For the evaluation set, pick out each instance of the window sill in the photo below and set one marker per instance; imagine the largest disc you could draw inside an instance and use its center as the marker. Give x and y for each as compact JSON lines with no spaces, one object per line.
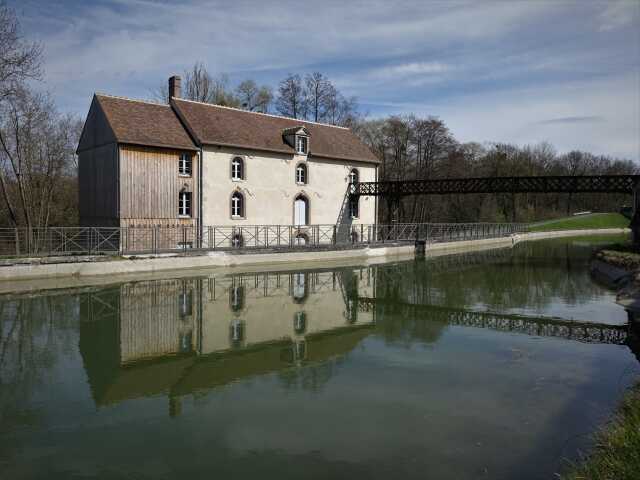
{"x":184,"y":216}
{"x":237,"y":179}
{"x":184,"y":175}
{"x":302,"y":184}
{"x":237,"y":218}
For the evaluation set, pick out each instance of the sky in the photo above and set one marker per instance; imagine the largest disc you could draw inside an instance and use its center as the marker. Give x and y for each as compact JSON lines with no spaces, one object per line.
{"x":562,"y":71}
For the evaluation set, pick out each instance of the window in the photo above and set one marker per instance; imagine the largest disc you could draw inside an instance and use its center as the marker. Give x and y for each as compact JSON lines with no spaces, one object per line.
{"x":301,"y":144}
{"x":236,"y":332}
{"x":184,"y":165}
{"x":237,"y":205}
{"x":354,"y":176}
{"x":301,"y":174}
{"x":300,"y":322}
{"x":185,"y":302}
{"x":184,"y":204}
{"x":236,"y":297}
{"x":237,"y":241}
{"x":301,"y":239}
{"x":237,"y":169}
{"x":300,"y":289}
{"x":354,"y":207}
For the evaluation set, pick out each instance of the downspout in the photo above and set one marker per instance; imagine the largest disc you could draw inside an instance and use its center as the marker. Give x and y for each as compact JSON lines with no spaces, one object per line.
{"x":200,"y":203}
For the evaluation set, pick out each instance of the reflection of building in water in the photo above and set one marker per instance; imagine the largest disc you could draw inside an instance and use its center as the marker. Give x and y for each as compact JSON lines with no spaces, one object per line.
{"x":157,"y":318}
{"x":179,"y":336}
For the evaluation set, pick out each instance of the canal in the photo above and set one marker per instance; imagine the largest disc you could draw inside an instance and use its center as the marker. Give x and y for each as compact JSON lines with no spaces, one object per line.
{"x":455,"y":367}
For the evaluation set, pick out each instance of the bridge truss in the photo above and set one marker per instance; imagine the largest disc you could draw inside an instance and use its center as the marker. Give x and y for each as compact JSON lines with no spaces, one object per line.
{"x":585,"y":332}
{"x":539,"y":184}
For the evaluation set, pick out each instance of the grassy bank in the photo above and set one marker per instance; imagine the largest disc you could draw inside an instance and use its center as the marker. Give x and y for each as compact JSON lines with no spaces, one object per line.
{"x":583,"y":222}
{"x":617,"y":452}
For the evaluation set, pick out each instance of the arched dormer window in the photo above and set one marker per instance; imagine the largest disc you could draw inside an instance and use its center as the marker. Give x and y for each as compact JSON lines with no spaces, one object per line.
{"x":302,"y":144}
{"x":237,"y":205}
{"x":301,"y":174}
{"x":237,"y":169}
{"x":354,"y":176}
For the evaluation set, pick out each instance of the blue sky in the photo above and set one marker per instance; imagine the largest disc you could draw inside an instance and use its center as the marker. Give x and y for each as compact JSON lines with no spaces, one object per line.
{"x":567,"y":72}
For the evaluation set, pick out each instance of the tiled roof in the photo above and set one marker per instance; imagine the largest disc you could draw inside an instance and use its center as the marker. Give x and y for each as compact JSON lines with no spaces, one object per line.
{"x":217,"y":125}
{"x":144,"y":123}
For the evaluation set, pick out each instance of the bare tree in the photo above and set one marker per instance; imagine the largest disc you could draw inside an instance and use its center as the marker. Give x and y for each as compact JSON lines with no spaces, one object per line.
{"x":36,"y":152}
{"x":339,"y":110}
{"x":254,"y":98}
{"x":291,"y":101}
{"x":199,"y":85}
{"x":19,"y":60}
{"x":317,"y":91}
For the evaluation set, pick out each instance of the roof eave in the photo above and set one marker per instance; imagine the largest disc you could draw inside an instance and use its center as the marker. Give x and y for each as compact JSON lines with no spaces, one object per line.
{"x":346,"y":159}
{"x":191,"y":148}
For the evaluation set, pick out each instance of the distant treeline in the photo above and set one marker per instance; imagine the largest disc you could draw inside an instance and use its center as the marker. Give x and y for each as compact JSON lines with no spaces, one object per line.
{"x":38,"y":165}
{"x":423,"y":148}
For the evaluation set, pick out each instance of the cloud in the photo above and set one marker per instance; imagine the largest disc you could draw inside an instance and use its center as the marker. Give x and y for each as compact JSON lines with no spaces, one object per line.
{"x":409,"y":69}
{"x":607,"y":124}
{"x":467,"y":61}
{"x":573,"y":120}
{"x":618,"y":14}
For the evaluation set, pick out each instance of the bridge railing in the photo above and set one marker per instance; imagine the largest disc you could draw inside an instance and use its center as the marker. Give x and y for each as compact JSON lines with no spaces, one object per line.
{"x":446,"y":232}
{"x":59,"y":241}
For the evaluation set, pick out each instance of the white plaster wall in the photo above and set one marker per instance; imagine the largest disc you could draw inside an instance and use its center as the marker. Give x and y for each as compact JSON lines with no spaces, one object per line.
{"x":269,"y":188}
{"x":269,"y":318}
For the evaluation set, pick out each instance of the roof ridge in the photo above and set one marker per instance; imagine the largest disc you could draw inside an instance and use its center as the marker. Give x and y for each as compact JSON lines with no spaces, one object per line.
{"x":260,"y":113}
{"x":119,"y":97}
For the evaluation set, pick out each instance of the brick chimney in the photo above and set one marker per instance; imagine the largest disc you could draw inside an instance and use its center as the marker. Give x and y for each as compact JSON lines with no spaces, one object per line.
{"x":174,"y":87}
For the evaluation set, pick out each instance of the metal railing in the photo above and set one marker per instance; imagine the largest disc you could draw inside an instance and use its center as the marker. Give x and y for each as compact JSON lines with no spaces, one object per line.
{"x":55,"y":241}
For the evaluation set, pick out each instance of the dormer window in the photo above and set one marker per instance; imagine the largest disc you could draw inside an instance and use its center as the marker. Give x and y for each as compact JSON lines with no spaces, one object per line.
{"x":302,"y":145}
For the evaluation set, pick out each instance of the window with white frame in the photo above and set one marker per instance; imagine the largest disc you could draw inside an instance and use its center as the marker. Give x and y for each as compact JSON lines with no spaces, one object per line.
{"x":301,"y":174}
{"x":237,"y":205}
{"x":185,"y":302}
{"x":184,"y":165}
{"x":237,"y":168}
{"x":184,"y":204}
{"x":302,"y":144}
{"x":354,"y":175}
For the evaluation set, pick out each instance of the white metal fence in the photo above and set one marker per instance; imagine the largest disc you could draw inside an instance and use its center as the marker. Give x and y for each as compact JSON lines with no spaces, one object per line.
{"x":53,"y":241}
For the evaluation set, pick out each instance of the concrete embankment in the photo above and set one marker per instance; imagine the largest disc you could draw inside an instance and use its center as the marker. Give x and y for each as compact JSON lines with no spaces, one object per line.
{"x":48,"y":273}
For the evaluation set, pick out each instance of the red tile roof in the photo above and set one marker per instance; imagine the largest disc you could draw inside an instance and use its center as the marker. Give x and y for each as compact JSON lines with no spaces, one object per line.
{"x":144,"y":123}
{"x":217,"y":125}
{"x":152,"y":124}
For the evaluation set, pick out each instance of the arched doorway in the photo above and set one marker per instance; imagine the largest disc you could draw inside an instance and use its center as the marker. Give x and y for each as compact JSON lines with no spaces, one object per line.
{"x":301,"y":211}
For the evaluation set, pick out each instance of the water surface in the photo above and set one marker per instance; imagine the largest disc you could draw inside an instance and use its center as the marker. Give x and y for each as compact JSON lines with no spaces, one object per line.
{"x":453,"y":367}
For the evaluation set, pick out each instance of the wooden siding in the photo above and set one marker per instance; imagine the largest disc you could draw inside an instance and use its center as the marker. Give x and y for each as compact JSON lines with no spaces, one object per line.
{"x":151,"y":322}
{"x":98,"y":186}
{"x":150,"y":185}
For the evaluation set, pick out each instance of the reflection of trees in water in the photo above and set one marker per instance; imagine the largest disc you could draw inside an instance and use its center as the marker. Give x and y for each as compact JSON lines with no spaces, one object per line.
{"x":532,"y":276}
{"x":35,"y":333}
